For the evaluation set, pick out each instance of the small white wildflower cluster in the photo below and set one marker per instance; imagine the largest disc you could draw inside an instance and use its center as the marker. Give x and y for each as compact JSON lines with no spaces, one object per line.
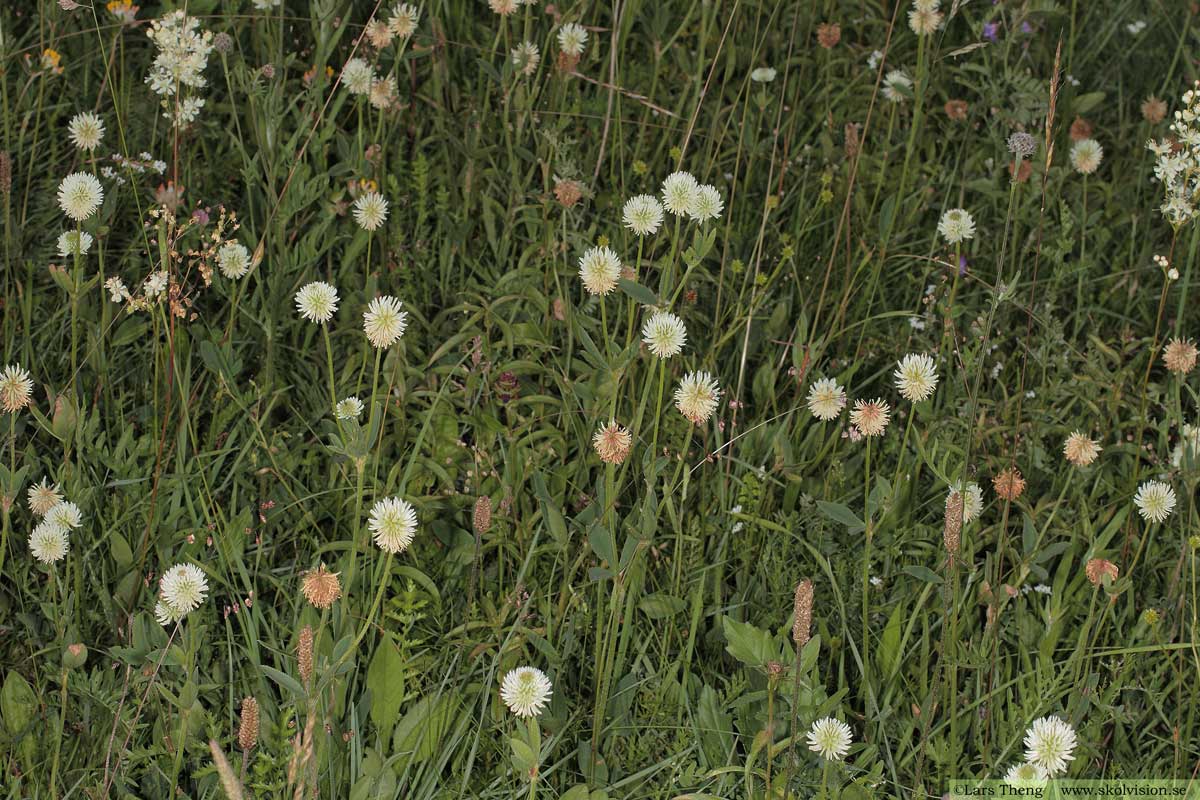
{"x":183,"y":51}
{"x":50,"y":540}
{"x":683,"y":195}
{"x":142,"y":164}
{"x":1177,"y":162}
{"x":181,"y":590}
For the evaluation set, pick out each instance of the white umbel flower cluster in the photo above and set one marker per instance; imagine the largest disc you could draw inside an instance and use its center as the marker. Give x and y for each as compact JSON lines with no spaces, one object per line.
{"x":183,"y":51}
{"x":1177,"y":161}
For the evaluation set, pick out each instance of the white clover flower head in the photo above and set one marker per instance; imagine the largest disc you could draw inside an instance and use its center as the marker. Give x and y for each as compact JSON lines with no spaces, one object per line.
{"x":383,"y":94}
{"x":182,"y":589}
{"x":165,"y":614}
{"x":1049,"y":742}
{"x":384,"y":322}
{"x":916,"y":377}
{"x":600,"y":269}
{"x":233,"y":259}
{"x":697,"y":396}
{"x":1086,"y":155}
{"x":826,"y":399}
{"x":65,"y":515}
{"x":956,"y":225}
{"x":503,"y":7}
{"x":706,"y":204}
{"x":317,"y":301}
{"x":43,"y":497}
{"x":679,"y":193}
{"x":370,"y":211}
{"x":664,"y":334}
{"x":642,"y":214}
{"x":830,"y":738}
{"x":404,"y":19}
{"x":349,"y":408}
{"x":526,"y":691}
{"x":924,"y":21}
{"x":1155,"y":501}
{"x":16,"y":388}
{"x":48,"y":543}
{"x":972,"y":500}
{"x":74,"y":243}
{"x":763,"y":75}
{"x":897,"y":86}
{"x":572,"y":38}
{"x":357,"y":76}
{"x":1025,"y":776}
{"x":525,"y":58}
{"x":393,"y":523}
{"x":86,"y":131}
{"x":79,"y":195}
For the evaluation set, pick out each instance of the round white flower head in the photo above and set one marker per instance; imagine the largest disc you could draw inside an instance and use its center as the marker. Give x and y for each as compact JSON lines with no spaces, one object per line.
{"x":525,"y":690}
{"x":870,"y":417}
{"x":72,"y":243}
{"x":642,"y":214}
{"x":826,"y":399}
{"x":165,"y":614}
{"x":86,"y":131}
{"x":370,"y":211}
{"x":15,"y":388}
{"x":233,"y":260}
{"x":1025,"y":776}
{"x":916,"y":377}
{"x":1080,"y":449}
{"x":503,"y":7}
{"x":924,"y":21}
{"x":393,"y":523}
{"x":972,"y":500}
{"x":79,"y":195}
{"x":1086,"y":155}
{"x":525,"y":57}
{"x":358,"y":76}
{"x":43,"y":497}
{"x":763,"y":75}
{"x":317,"y":301}
{"x":383,"y":93}
{"x":183,"y":588}
{"x":830,"y":738}
{"x":48,"y":542}
{"x":600,"y":269}
{"x":1049,"y":743}
{"x":697,"y":396}
{"x":679,"y":193}
{"x":664,"y":334}
{"x":65,"y":515}
{"x":384,"y":322}
{"x":956,"y":226}
{"x":1155,"y":500}
{"x":572,"y":38}
{"x":896,"y":86}
{"x":706,"y":204}
{"x":350,"y":408}
{"x":403,"y":20}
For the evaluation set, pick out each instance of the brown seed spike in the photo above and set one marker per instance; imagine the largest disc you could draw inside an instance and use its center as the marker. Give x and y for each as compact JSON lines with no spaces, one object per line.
{"x":305,"y":654}
{"x":952,"y":528}
{"x":482,"y":518}
{"x":248,"y":732}
{"x":802,"y":613}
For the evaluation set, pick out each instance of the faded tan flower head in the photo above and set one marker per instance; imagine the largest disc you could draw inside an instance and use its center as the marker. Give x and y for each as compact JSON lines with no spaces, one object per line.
{"x":1098,"y":569}
{"x":829,"y":34}
{"x":567,"y":193}
{"x":612,"y":443}
{"x":321,"y":587}
{"x":1009,"y":484}
{"x":1080,"y":450}
{"x":1154,"y":110}
{"x":1180,"y":355}
{"x":870,"y":416}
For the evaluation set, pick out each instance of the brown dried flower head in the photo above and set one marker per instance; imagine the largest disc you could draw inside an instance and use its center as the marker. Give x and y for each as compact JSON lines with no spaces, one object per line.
{"x":852,"y":139}
{"x":1080,"y":450}
{"x":567,"y":193}
{"x":802,"y":613}
{"x":248,"y":730}
{"x":321,"y":587}
{"x":612,"y":443}
{"x":1180,"y":356}
{"x":1009,"y":484}
{"x":304,"y":654}
{"x":1154,"y":110}
{"x":1080,"y":129}
{"x":952,"y":526}
{"x":1099,"y":569}
{"x":482,"y":518}
{"x":956,"y":110}
{"x":829,"y":34}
